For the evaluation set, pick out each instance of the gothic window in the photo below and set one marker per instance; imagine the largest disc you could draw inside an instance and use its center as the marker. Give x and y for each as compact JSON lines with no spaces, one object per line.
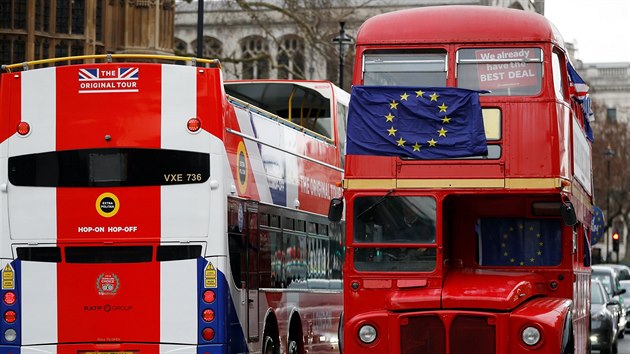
{"x":5,"y":50}
{"x":78,"y":16}
{"x":180,"y":46}
{"x":12,"y":49}
{"x":5,"y":13}
{"x":99,"y":20}
{"x":70,"y":16}
{"x":212,"y":47}
{"x":255,"y":55}
{"x":19,"y":49}
{"x":61,"y":50}
{"x":291,"y":58}
{"x":76,"y":48}
{"x":42,"y":15}
{"x":13,"y":14}
{"x":38,"y":48}
{"x":63,"y":20}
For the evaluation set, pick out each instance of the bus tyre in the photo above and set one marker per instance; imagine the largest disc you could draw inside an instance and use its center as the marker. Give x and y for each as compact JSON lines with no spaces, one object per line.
{"x":269,"y":347}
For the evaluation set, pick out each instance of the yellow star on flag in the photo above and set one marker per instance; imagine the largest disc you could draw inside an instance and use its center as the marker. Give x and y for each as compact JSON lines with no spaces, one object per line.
{"x":417,"y":147}
{"x":401,"y":142}
{"x":432,"y":142}
{"x":393,"y":105}
{"x":443,"y":107}
{"x":404,"y":96}
{"x":442,"y":132}
{"x":446,"y":120}
{"x":434,"y":97}
{"x":389,"y":117}
{"x":419,"y":93}
{"x":392,"y":131}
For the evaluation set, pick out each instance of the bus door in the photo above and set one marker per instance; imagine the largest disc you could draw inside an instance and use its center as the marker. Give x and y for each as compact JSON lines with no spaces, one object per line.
{"x":252,"y":238}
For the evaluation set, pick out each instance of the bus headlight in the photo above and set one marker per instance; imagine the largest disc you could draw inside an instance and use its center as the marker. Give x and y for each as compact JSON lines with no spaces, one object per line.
{"x":530,"y":335}
{"x":367,"y":334}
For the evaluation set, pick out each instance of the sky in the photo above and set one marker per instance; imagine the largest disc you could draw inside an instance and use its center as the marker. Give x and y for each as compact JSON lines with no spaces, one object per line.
{"x":599,"y":29}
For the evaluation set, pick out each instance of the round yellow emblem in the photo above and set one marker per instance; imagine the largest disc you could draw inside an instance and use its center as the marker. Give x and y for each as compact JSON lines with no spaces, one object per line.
{"x":107,"y":205}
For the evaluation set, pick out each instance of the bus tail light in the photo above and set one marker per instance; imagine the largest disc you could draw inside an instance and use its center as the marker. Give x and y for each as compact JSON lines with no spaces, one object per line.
{"x":193,"y":125}
{"x":9,"y":298}
{"x":10,"y":316}
{"x":208,"y":315}
{"x":209,"y":296}
{"x":23,"y":128}
{"x":208,"y":333}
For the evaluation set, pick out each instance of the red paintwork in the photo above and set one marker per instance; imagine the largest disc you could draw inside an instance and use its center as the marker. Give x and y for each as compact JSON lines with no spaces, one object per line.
{"x":501,"y":291}
{"x":536,"y":144}
{"x":456,"y":24}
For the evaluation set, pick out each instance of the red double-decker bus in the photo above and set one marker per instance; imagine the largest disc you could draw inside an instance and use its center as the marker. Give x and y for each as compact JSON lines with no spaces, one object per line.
{"x":455,"y":243}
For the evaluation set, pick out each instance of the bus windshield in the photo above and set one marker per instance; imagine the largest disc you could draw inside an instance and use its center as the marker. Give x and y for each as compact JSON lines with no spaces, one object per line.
{"x":407,"y":224}
{"x":518,"y":242}
{"x":405,"y":69}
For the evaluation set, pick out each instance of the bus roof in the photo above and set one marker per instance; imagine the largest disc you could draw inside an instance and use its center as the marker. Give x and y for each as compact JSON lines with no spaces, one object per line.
{"x":466,"y":24}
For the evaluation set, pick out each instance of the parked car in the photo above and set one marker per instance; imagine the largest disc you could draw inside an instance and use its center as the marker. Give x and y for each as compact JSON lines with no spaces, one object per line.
{"x":609,"y":277}
{"x":604,"y":321}
{"x":621,"y":269}
{"x":625,"y":284}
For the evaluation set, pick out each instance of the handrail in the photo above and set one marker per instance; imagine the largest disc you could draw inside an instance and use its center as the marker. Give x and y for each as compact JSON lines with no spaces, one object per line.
{"x":279,"y":119}
{"x":25,"y":65}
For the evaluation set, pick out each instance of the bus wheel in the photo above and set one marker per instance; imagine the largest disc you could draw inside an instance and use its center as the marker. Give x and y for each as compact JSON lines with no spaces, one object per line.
{"x":293,"y":347}
{"x":269,"y":347}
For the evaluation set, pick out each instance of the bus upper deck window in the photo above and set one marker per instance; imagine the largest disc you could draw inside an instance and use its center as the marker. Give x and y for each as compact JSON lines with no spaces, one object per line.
{"x":502,"y":71}
{"x":405,"y":69}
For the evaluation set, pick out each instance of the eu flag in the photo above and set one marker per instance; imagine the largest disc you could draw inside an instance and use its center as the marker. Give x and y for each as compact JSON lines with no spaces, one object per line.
{"x":415,"y":122}
{"x":519,"y":242}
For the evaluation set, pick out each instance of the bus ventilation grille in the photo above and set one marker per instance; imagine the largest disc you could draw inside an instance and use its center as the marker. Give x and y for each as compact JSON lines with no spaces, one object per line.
{"x":427,"y":335}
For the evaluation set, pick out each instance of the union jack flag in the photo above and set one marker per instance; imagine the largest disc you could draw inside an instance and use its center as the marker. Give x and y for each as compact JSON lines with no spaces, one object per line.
{"x":119,"y":74}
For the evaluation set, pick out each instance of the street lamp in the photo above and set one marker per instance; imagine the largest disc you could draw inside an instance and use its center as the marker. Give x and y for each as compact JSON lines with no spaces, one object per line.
{"x":200,"y":28}
{"x":608,"y":155}
{"x":344,"y":40}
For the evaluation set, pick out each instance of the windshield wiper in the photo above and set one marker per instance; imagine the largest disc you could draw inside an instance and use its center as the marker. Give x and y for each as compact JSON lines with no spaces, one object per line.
{"x":382,"y":199}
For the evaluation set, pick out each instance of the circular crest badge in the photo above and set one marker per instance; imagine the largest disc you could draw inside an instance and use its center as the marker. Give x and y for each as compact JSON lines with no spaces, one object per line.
{"x":241,"y":167}
{"x":107,"y":205}
{"x":107,"y":284}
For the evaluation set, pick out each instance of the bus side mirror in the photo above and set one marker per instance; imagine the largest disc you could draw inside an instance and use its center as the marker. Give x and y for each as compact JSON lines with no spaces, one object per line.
{"x":335,"y":210}
{"x":568,"y":214}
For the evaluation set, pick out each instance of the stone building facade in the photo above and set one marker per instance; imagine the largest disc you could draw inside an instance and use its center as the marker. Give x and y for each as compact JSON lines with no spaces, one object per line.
{"x":610,"y":87}
{"x":291,"y":42}
{"x":41,"y":29}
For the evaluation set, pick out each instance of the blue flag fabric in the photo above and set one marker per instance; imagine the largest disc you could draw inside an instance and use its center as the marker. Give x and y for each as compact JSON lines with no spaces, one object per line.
{"x":598,"y":225}
{"x":519,"y":242}
{"x":579,"y":89}
{"x":415,"y":122}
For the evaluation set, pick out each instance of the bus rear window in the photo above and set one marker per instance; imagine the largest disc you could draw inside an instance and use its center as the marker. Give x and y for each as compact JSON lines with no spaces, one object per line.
{"x":502,"y":71}
{"x":405,"y":69}
{"x":109,"y":168}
